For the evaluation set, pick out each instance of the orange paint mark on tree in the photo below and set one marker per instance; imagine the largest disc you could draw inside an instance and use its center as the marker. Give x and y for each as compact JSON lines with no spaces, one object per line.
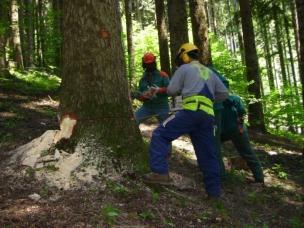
{"x":104,"y":33}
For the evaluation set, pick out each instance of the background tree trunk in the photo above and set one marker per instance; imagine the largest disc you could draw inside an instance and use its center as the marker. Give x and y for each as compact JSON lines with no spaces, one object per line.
{"x":41,"y":34}
{"x":177,"y":26}
{"x":94,"y":86}
{"x":128,"y":11}
{"x":16,"y":43}
{"x":57,"y":7}
{"x":200,"y":29}
{"x":4,"y":24}
{"x":30,"y":37}
{"x":162,"y":35}
{"x":265,"y":32}
{"x":22,"y":31}
{"x":236,"y":19}
{"x":291,"y":57}
{"x":279,"y":45}
{"x":212,"y":18}
{"x":255,"y":110}
{"x":300,"y":14}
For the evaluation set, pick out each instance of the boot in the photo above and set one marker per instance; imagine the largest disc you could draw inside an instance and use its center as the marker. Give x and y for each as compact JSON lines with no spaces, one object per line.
{"x":155,"y":178}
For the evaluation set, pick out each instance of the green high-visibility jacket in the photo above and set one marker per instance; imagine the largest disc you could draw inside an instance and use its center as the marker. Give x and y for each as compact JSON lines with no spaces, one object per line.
{"x":234,"y":109}
{"x":219,"y":105}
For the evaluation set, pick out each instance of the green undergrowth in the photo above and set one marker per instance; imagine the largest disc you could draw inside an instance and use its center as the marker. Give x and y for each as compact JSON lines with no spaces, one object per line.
{"x":30,"y":82}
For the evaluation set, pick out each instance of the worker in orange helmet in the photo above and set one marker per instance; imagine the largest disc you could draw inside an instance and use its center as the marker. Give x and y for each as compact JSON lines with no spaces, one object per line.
{"x":152,"y":91}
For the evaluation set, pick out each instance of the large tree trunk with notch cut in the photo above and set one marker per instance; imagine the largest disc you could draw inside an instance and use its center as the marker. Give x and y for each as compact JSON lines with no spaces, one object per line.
{"x":94,"y":85}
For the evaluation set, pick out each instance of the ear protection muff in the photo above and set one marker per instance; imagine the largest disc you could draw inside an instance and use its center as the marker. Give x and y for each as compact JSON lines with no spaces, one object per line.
{"x":182,"y":57}
{"x":185,"y":57}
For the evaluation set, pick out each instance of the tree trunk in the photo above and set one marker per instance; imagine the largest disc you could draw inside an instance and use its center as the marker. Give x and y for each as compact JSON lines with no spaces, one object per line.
{"x":57,"y":7}
{"x":22,"y":31}
{"x":162,"y":35}
{"x":292,"y":65}
{"x":41,"y":24}
{"x":265,"y":32}
{"x":212,"y":17}
{"x":230,"y":29}
{"x":16,"y":43}
{"x":37,"y":35}
{"x":280,"y":46}
{"x":138,"y":12}
{"x":200,"y":29}
{"x":94,"y":86}
{"x":30,"y":37}
{"x":300,"y":14}
{"x":128,"y":11}
{"x":295,"y":25}
{"x":255,"y":110}
{"x":236,"y":20}
{"x":4,"y":23}
{"x":177,"y":26}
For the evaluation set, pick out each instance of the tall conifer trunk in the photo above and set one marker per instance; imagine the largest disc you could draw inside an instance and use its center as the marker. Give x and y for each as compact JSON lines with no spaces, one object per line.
{"x":177,"y":26}
{"x":162,"y":35}
{"x":200,"y":29}
{"x":255,"y":110}
{"x":129,"y":25}
{"x":16,"y":43}
{"x":4,"y":22}
{"x":300,"y":15}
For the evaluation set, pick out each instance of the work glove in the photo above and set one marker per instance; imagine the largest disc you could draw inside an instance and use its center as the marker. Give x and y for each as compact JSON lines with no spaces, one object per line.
{"x":148,"y":94}
{"x":155,"y":90}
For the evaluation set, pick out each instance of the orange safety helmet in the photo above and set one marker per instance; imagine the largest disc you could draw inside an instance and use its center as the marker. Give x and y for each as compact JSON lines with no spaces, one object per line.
{"x":148,"y":58}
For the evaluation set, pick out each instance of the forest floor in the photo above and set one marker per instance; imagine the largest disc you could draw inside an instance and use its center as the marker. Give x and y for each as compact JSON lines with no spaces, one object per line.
{"x":128,"y":202}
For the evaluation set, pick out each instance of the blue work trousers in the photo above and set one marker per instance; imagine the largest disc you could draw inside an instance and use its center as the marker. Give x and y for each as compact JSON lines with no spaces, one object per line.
{"x":200,"y":127}
{"x":144,"y":113}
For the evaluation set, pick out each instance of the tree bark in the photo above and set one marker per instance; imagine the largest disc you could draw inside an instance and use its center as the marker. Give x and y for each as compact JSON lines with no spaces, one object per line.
{"x":129,"y":26}
{"x":255,"y":110}
{"x":265,"y":32}
{"x":22,"y":31}
{"x":236,"y":19}
{"x":295,"y":25}
{"x":230,"y":29}
{"x":94,"y":86}
{"x":57,"y":7}
{"x":292,"y":65}
{"x":177,"y":26}
{"x":37,"y":41}
{"x":16,"y":43}
{"x":162,"y":35}
{"x":41,"y":35}
{"x":280,"y":46}
{"x":30,"y":37}
{"x":200,"y":29}
{"x":212,"y":19}
{"x":300,"y":15}
{"x":4,"y":23}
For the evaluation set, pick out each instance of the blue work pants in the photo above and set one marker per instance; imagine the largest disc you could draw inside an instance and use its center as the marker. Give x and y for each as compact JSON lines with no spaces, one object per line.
{"x":200,"y":127}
